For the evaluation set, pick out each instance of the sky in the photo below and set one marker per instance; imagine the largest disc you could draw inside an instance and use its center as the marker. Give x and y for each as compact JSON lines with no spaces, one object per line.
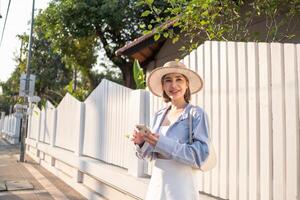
{"x":18,"y":22}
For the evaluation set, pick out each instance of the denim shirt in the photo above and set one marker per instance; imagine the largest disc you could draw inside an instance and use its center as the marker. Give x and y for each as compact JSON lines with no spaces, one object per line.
{"x":174,"y":144}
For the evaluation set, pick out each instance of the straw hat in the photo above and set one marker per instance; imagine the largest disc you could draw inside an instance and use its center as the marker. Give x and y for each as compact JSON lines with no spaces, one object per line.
{"x":154,"y":79}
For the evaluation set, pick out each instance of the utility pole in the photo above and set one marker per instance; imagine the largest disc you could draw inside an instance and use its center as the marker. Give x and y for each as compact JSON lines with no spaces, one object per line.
{"x":5,"y":22}
{"x":0,"y":11}
{"x":24,"y":120}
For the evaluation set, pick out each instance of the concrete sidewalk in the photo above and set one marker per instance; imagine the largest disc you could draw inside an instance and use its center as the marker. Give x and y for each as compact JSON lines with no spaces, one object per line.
{"x":28,"y":180}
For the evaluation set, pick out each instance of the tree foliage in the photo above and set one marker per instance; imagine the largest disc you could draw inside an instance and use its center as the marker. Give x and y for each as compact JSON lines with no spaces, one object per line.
{"x":110,"y":23}
{"x":234,"y":20}
{"x":48,"y":66}
{"x":78,"y":54}
{"x":10,"y":92}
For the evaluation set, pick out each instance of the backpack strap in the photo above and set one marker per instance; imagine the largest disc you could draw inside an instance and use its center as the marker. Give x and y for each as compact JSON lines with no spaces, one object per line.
{"x":191,"y":125}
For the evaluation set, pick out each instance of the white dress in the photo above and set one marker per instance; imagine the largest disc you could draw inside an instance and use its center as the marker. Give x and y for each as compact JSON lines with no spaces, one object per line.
{"x":171,"y":180}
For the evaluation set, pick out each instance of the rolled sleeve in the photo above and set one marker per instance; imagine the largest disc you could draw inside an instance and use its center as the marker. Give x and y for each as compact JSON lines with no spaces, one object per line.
{"x":144,"y":152}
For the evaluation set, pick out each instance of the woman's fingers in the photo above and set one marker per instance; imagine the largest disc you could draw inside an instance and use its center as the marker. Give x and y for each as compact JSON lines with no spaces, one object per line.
{"x":152,"y":139}
{"x":138,"y":137}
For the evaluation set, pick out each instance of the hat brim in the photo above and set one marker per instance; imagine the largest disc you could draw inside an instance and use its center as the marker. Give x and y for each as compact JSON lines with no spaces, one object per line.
{"x":155,"y":85}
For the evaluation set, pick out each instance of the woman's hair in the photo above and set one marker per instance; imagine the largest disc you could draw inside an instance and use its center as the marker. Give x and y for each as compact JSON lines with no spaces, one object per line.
{"x":187,"y":94}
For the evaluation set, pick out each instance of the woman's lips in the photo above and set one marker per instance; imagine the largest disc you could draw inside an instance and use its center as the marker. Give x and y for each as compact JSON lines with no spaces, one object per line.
{"x":174,"y":92}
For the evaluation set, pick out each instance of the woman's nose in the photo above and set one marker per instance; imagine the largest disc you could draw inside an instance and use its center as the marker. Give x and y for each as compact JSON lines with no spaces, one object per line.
{"x":173,"y":83}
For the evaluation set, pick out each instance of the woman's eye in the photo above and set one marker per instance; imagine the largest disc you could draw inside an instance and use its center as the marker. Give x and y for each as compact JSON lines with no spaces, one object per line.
{"x":167,"y":80}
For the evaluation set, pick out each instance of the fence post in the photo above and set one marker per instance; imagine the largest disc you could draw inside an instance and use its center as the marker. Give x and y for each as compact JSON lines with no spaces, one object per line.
{"x":80,"y":134}
{"x":4,"y":127}
{"x":28,"y":126}
{"x":53,"y":135}
{"x":10,"y":133}
{"x":139,"y":105}
{"x":2,"y":122}
{"x":79,"y":140}
{"x":16,"y":131}
{"x":38,"y":135}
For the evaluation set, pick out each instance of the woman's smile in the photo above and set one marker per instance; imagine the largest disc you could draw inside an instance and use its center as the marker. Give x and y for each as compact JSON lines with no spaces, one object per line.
{"x":174,"y":91}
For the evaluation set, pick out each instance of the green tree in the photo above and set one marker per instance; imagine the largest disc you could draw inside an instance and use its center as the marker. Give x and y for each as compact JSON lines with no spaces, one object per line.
{"x":112,"y":22}
{"x":201,"y":20}
{"x":10,"y":92}
{"x":5,"y":103}
{"x":52,"y":75}
{"x":77,"y":53}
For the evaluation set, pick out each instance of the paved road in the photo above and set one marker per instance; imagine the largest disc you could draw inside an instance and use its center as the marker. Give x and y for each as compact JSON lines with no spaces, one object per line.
{"x":45,"y":185}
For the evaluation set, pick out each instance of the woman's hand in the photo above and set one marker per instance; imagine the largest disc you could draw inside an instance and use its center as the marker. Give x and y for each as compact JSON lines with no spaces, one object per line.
{"x":151,"y":138}
{"x":138,"y":137}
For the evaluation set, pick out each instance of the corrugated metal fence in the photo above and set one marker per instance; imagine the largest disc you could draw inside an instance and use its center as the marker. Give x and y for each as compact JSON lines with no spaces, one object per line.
{"x":251,"y":95}
{"x":95,"y":128}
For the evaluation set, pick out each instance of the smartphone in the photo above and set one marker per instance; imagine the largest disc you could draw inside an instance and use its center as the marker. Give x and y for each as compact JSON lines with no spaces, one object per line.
{"x":143,"y":128}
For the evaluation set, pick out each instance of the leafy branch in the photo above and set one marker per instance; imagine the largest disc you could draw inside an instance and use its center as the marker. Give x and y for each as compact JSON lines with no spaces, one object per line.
{"x":200,"y":20}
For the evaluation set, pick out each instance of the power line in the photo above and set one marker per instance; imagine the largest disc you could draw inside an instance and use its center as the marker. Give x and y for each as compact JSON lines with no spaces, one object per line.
{"x":5,"y":22}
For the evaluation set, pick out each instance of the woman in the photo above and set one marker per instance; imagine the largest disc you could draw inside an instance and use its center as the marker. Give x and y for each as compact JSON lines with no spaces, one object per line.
{"x":168,"y":143}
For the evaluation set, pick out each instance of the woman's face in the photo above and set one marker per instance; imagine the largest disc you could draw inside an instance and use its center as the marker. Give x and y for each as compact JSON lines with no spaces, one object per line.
{"x":175,"y":86}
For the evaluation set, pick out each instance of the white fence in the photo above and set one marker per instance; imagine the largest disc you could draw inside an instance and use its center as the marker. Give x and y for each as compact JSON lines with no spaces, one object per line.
{"x":81,"y":139}
{"x":10,"y":128}
{"x":251,"y":94}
